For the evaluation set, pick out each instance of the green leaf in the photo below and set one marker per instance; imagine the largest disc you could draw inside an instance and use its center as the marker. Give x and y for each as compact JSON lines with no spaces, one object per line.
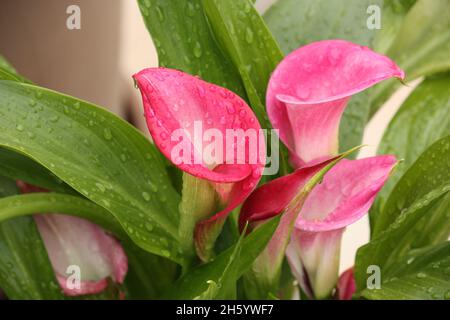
{"x":221,"y":41}
{"x":415,"y":199}
{"x":392,"y":14}
{"x":420,"y":48}
{"x":225,"y":287}
{"x":243,"y":36}
{"x":422,"y":275}
{"x":184,"y":41}
{"x":4,"y":64}
{"x":99,"y":155}
{"x":27,"y":204}
{"x":264,"y":277}
{"x":205,"y":281}
{"x":296,"y":23}
{"x":421,"y":120}
{"x":7,"y":71}
{"x":25,"y":269}
{"x":149,"y":276}
{"x":18,"y":167}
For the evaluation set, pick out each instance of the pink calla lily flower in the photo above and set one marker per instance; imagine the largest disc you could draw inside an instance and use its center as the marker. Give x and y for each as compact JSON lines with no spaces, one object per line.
{"x":346,"y":285}
{"x":177,"y":106}
{"x":345,"y":195}
{"x":72,"y":241}
{"x":306,"y":97}
{"x":309,"y":90}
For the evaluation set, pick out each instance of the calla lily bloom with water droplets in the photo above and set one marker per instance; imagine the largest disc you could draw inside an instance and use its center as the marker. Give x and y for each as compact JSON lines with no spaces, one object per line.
{"x":306,"y":97}
{"x":74,"y":242}
{"x":309,"y":90}
{"x":179,"y":108}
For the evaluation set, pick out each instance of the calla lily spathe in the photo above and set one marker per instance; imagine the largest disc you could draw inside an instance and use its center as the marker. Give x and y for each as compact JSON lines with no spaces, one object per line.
{"x":345,"y":195}
{"x":346,"y":285}
{"x":309,"y":90}
{"x":72,"y":241}
{"x":306,"y":97}
{"x":176,"y":102}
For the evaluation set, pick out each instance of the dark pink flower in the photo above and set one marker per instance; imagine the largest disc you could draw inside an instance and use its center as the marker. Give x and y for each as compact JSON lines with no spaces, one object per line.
{"x":208,"y":132}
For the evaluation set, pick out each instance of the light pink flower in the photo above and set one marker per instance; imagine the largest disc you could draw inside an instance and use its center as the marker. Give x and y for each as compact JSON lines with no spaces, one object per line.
{"x":310,"y":88}
{"x":72,"y":241}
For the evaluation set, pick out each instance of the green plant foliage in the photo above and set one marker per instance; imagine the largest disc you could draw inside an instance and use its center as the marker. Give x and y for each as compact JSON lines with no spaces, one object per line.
{"x":421,"y":120}
{"x":99,"y":155}
{"x":415,"y":202}
{"x":216,"y":279}
{"x":25,"y":270}
{"x":421,"y":46}
{"x":422,"y":275}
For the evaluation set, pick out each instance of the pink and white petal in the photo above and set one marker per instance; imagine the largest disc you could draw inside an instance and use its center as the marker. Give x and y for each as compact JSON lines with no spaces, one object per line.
{"x":85,"y":287}
{"x":314,"y":79}
{"x":317,"y":255}
{"x":346,"y":286}
{"x":269,"y":200}
{"x":71,"y":241}
{"x":315,"y":130}
{"x":273,"y":197}
{"x":346,"y":193}
{"x":180,"y":109}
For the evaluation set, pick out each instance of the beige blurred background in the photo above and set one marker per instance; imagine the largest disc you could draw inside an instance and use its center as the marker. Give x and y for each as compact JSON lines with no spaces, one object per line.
{"x":96,"y":62}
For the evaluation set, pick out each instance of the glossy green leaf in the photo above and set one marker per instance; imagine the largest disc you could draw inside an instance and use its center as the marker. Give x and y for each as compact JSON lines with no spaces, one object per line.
{"x":31,"y":203}
{"x":4,"y":64}
{"x":421,"y":120}
{"x":392,"y":14}
{"x":421,"y":47}
{"x":18,"y":167}
{"x":243,"y":36}
{"x":205,"y":281}
{"x":184,"y":41}
{"x":296,"y":23}
{"x":99,"y":155}
{"x":25,"y":269}
{"x":422,"y":275}
{"x":225,"y":287}
{"x":15,"y":165}
{"x":7,"y":71}
{"x":221,"y":41}
{"x":149,"y":276}
{"x":414,"y":201}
